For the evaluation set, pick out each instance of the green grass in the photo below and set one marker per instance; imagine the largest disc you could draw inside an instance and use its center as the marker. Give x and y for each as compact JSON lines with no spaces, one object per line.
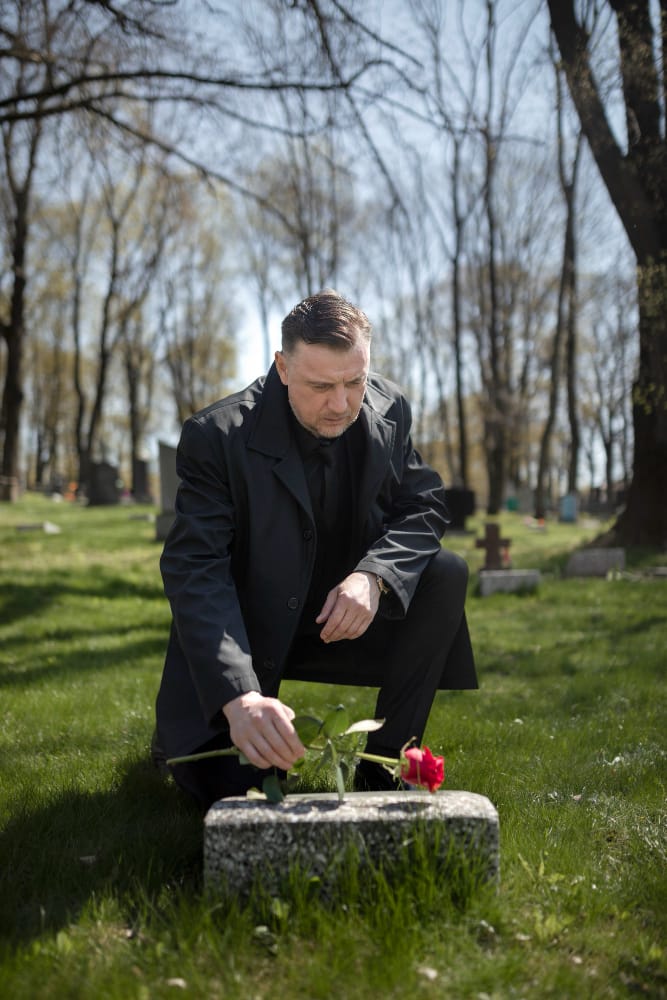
{"x":100,"y":861}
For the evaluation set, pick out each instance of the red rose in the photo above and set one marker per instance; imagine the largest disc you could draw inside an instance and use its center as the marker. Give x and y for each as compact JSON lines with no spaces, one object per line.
{"x":420,"y":767}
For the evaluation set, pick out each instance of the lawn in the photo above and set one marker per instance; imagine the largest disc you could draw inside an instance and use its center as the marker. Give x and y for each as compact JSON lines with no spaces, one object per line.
{"x":100,"y":860}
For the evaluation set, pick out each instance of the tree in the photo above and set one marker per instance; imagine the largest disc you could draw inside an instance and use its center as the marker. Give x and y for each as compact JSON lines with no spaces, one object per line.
{"x":91,"y":58}
{"x":565,"y":330}
{"x":198,"y":318}
{"x":635,"y":174}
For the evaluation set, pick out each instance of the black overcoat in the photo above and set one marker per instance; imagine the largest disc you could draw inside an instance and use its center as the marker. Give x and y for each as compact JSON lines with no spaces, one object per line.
{"x":238,"y":560}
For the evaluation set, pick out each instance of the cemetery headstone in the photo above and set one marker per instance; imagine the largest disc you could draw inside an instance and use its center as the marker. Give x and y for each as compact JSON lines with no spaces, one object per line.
{"x":140,"y":486}
{"x":496,"y":549}
{"x":595,"y":562}
{"x":105,"y":485}
{"x":498,"y":576}
{"x":461,"y":504}
{"x":168,"y":490}
{"x":246,"y":839}
{"x":568,"y":509}
{"x":508,"y":581}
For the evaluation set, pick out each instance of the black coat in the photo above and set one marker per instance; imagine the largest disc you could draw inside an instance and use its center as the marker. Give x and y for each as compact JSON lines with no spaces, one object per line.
{"x":238,"y":560}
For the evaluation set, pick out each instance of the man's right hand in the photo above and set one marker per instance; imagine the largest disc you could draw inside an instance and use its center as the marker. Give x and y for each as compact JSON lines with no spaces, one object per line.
{"x":261,"y":728}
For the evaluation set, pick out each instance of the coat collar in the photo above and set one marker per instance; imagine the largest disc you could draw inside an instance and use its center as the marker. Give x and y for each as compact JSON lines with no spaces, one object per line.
{"x":272,"y":435}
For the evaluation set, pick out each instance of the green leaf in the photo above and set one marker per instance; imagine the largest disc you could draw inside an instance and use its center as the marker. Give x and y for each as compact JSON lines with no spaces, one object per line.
{"x":365,"y":726}
{"x":308,"y":728}
{"x":326,"y":757}
{"x":336,"y":722}
{"x":272,"y":788}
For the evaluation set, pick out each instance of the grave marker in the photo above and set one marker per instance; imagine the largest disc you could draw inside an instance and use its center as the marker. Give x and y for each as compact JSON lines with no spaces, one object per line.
{"x":595,"y":562}
{"x":168,"y":489}
{"x":104,"y":486}
{"x":496,"y":548}
{"x":246,"y":839}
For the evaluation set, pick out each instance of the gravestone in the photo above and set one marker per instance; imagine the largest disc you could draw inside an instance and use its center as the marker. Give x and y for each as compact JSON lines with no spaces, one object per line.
{"x":48,"y":527}
{"x":595,"y":562}
{"x":247,"y":839}
{"x":568,"y":509}
{"x":496,"y":549}
{"x":168,"y":490}
{"x":141,"y":490}
{"x":461,"y":504}
{"x":104,"y":485}
{"x":508,"y":581}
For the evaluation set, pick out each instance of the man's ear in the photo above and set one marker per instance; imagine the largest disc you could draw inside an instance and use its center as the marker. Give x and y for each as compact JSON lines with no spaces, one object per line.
{"x":281,"y":366}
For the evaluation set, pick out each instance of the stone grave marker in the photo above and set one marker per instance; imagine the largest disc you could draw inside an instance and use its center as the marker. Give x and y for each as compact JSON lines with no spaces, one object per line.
{"x":168,"y":490}
{"x":508,"y":581}
{"x":140,"y":486}
{"x":595,"y":562}
{"x":246,"y":839}
{"x":496,"y":549}
{"x":497,"y":576}
{"x":104,"y":488}
{"x":461,"y":504}
{"x":568,"y":509}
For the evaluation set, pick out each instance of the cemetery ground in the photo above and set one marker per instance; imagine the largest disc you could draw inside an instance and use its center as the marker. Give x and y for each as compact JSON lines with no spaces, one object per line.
{"x":100,"y":860}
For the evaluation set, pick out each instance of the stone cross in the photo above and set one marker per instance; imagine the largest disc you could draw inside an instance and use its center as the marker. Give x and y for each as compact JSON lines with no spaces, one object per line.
{"x":496,"y":548}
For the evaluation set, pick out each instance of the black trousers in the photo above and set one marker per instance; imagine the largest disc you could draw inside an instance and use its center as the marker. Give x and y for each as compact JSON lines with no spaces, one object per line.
{"x":408,"y":659}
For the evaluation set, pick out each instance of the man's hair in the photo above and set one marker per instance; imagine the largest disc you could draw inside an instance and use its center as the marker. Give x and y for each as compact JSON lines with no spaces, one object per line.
{"x":325,"y":318}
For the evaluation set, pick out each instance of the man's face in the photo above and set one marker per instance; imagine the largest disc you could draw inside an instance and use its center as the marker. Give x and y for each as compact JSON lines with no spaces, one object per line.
{"x":325,"y":386}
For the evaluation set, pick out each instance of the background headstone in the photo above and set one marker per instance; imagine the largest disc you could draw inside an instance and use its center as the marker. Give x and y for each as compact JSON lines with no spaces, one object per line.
{"x":508,"y":581}
{"x":595,"y":562}
{"x":140,"y":485}
{"x":461,"y":504}
{"x":105,"y":484}
{"x":568,"y":509}
{"x":168,"y":490}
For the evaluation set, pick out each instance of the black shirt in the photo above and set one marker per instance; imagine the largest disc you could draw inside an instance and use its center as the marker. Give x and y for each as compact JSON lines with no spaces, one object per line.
{"x":332,"y":467}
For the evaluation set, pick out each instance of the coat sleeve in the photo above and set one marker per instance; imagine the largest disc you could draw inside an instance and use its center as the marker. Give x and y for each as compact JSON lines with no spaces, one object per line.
{"x":415,"y":516}
{"x":196,"y":571}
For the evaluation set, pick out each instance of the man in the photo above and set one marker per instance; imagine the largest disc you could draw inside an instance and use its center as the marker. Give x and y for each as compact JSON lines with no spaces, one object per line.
{"x":306,"y":544}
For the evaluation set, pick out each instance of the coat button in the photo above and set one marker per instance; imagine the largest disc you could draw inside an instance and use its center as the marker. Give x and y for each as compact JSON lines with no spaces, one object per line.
{"x":293,"y":603}
{"x":308,"y":534}
{"x":269,"y":664}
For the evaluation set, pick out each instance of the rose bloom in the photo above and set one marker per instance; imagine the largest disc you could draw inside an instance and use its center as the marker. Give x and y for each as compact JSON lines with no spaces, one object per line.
{"x":420,"y":767}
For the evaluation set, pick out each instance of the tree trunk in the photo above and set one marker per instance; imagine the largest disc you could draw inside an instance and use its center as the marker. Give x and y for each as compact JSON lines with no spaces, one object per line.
{"x":14,"y":334}
{"x":636,"y":180}
{"x":644,"y":520}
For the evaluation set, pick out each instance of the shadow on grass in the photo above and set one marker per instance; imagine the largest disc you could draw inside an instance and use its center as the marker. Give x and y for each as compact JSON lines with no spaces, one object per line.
{"x":129,"y":842}
{"x":86,"y":660}
{"x":24,"y":599}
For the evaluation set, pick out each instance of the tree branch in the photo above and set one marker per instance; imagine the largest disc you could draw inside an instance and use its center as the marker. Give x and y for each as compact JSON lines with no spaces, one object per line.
{"x":619,"y":172}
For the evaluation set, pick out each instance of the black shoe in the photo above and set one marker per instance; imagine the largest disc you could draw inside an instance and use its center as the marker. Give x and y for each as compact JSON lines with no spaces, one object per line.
{"x":372,"y":777}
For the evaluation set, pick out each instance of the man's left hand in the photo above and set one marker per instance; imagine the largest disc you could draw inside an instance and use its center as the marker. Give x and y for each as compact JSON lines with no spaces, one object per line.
{"x":349,"y":608}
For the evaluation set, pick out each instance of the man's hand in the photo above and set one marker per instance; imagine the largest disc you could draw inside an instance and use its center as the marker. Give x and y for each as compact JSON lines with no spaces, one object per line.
{"x":349,"y":608}
{"x":262,"y":729}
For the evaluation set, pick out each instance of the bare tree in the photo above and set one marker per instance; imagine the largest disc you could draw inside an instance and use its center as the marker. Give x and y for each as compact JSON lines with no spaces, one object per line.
{"x":565,"y":329}
{"x":635,"y":174}
{"x":61,"y":58}
{"x":197,"y":314}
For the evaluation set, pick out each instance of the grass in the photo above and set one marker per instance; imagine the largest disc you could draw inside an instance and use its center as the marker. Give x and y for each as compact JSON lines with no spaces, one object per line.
{"x":100,"y":861}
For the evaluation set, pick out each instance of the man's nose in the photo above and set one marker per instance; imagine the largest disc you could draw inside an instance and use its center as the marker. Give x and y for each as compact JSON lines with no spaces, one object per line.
{"x":338,"y":399}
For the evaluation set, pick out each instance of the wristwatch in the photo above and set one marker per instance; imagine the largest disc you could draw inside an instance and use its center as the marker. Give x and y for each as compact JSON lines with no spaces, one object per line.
{"x":382,"y":586}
